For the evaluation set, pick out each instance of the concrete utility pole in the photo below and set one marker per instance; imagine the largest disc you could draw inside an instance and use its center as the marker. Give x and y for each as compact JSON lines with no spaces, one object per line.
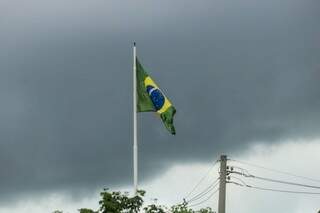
{"x":222,"y":187}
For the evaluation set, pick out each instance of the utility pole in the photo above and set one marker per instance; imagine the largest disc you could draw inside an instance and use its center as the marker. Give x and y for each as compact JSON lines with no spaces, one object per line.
{"x":222,"y":187}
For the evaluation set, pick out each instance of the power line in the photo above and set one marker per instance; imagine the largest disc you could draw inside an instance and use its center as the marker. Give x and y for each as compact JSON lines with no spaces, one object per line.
{"x":287,"y":182}
{"x":274,"y":170}
{"x":285,"y":191}
{"x":276,"y":181}
{"x":204,"y":192}
{"x":244,"y":171}
{"x":274,"y":190}
{"x":202,"y":179}
{"x":239,"y":180}
{"x":211,"y":195}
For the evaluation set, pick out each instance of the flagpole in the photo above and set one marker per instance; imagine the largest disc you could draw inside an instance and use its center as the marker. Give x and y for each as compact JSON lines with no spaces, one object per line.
{"x":135,"y":135}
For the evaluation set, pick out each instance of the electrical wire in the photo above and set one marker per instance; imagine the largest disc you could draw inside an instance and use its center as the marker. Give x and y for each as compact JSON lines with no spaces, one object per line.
{"x":204,"y":192}
{"x":239,"y":180}
{"x":202,"y":179}
{"x":244,"y":171}
{"x":276,"y":181}
{"x":274,"y":170}
{"x":287,"y":182}
{"x":274,"y":190}
{"x":211,"y":195}
{"x":285,"y":191}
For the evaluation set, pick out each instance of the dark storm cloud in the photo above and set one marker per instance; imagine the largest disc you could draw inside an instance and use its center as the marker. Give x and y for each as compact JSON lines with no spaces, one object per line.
{"x":238,"y":72}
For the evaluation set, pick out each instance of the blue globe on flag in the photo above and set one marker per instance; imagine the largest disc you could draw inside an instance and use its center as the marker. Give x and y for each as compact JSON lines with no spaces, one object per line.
{"x":156,"y":97}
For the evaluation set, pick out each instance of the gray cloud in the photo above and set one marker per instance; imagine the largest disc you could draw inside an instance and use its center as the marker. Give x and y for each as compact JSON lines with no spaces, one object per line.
{"x":237,"y":72}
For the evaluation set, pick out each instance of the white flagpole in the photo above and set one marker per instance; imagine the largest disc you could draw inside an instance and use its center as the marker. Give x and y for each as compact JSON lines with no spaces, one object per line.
{"x":135,"y":135}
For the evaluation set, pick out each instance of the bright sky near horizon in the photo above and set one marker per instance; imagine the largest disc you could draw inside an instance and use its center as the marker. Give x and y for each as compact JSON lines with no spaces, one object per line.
{"x":169,"y":189}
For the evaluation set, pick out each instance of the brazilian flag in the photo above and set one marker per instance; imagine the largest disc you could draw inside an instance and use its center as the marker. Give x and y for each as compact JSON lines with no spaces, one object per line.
{"x":151,"y":98}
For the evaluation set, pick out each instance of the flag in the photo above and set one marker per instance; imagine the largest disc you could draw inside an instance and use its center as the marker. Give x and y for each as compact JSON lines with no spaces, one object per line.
{"x":151,"y":98}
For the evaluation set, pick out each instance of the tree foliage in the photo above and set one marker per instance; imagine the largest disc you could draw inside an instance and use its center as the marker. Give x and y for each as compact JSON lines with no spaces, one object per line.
{"x":84,"y":210}
{"x":117,"y":202}
{"x":155,"y":209}
{"x":120,"y":203}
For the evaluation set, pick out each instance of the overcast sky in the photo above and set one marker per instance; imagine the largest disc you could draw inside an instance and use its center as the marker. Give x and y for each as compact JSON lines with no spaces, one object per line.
{"x":240,"y":73}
